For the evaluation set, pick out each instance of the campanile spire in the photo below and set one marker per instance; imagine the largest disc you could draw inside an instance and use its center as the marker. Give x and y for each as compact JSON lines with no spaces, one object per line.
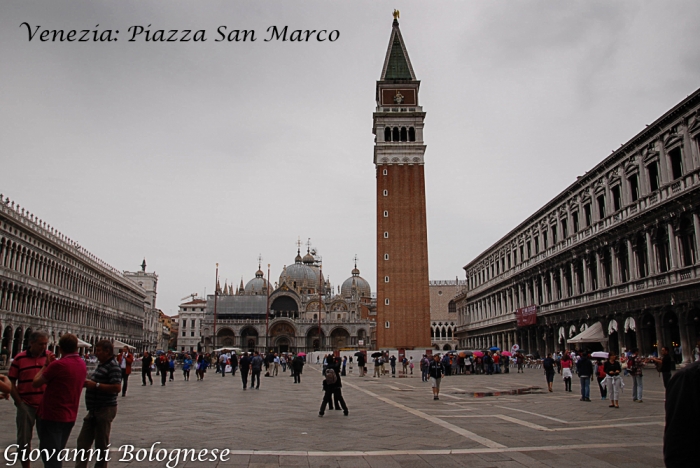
{"x":403,"y":301}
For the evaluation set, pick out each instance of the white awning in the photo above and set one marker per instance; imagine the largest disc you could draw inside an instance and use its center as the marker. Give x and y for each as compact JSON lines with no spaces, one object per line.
{"x":592,"y":334}
{"x":630,"y":324}
{"x":118,"y":345}
{"x":612,"y":327}
{"x":83,"y":344}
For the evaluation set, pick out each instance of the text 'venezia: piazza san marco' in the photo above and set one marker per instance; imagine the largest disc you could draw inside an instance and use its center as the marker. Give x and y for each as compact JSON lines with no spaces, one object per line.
{"x":139,"y":33}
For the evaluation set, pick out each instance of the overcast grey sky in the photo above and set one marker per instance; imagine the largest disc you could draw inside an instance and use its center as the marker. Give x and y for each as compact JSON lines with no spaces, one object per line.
{"x":190,"y":154}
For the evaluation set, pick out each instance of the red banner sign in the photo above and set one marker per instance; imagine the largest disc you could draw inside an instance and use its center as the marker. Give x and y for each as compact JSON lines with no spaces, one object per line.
{"x":526,"y":316}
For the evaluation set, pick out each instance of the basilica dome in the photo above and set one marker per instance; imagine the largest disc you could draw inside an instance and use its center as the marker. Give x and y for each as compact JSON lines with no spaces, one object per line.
{"x":299,"y":275}
{"x":257,"y":285}
{"x":361,"y":284}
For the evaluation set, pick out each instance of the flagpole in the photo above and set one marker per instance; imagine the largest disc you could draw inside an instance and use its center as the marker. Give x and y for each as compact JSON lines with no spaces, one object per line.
{"x":267,"y":313}
{"x":216,"y":296}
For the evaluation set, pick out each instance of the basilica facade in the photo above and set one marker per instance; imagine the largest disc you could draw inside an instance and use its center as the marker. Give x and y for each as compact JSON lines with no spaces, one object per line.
{"x":301,"y":312}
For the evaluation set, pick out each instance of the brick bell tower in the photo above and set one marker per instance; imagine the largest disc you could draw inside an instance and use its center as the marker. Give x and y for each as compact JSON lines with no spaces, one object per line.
{"x":403,"y":301}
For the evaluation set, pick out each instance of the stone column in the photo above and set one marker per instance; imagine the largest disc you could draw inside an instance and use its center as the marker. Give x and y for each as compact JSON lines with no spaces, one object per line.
{"x":632,"y":259}
{"x":651,"y":254}
{"x":586,"y":274}
{"x":615,"y":265}
{"x":600,"y":274}
{"x":665,"y":175}
{"x":673,"y":247}
{"x":687,"y":345}
{"x":660,"y":338}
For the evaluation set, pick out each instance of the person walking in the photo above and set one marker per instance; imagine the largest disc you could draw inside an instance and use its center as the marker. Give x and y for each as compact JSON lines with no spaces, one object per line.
{"x":146,"y":363}
{"x":613,"y":380}
{"x":377,"y":367}
{"x":392,"y":363}
{"x":186,"y":366}
{"x":283,"y":362}
{"x":125,"y":359}
{"x":496,"y":363}
{"x":64,"y":379}
{"x":634,"y":365}
{"x":275,"y":365}
{"x":424,"y":363}
{"x":27,"y":399}
{"x":520,"y":360}
{"x":436,"y":371}
{"x":244,"y":365}
{"x":584,"y":369}
{"x":566,"y":364}
{"x":410,"y":364}
{"x":163,"y":368}
{"x":361,"y":363}
{"x":297,"y":367}
{"x":549,"y":371}
{"x":600,"y":376}
{"x":332,"y":390}
{"x":221,"y":364}
{"x":171,"y":367}
{"x":344,"y":365}
{"x":234,"y":364}
{"x":101,"y":401}
{"x":256,"y":365}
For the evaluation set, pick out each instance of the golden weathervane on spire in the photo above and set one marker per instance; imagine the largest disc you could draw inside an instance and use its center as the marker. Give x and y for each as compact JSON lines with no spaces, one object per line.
{"x":397,"y":14}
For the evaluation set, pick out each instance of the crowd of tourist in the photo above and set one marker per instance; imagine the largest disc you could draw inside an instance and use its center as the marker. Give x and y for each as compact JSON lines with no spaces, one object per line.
{"x":47,"y":391}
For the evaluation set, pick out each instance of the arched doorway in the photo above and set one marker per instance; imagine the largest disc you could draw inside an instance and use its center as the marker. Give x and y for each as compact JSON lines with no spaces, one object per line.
{"x":249,"y":338}
{"x":648,"y":334}
{"x":7,"y":338}
{"x":613,"y":337}
{"x":447,"y":347}
{"x":672,"y":335}
{"x":17,"y":342}
{"x":340,"y":338}
{"x":630,"y":333}
{"x":282,"y":336}
{"x":314,"y":341}
{"x":225,"y":337}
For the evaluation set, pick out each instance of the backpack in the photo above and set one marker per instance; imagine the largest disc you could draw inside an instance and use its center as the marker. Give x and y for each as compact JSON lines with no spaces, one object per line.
{"x":331,"y":378}
{"x":601,"y":372}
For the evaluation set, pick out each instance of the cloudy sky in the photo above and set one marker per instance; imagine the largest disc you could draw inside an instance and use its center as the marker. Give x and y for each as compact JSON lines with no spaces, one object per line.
{"x":189,"y":154}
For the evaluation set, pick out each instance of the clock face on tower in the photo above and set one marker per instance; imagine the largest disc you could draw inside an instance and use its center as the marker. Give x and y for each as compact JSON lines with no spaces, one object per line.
{"x":398,"y":97}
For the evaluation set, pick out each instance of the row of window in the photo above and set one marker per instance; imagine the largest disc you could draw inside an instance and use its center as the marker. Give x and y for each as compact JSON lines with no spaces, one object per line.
{"x":399,"y":134}
{"x":23,"y":260}
{"x":599,"y":208}
{"x":643,"y":255}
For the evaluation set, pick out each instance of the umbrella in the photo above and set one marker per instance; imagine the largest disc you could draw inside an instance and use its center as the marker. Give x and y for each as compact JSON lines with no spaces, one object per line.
{"x":494,"y":348}
{"x":120,"y":345}
{"x":83,"y":344}
{"x":301,"y":354}
{"x":478,"y":353}
{"x":359,"y":353}
{"x":465,"y":353}
{"x":600,"y":354}
{"x":377,"y":354}
{"x":506,"y":353}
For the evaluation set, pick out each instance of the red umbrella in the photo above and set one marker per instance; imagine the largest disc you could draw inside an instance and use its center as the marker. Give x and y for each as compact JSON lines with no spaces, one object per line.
{"x":506,"y":353}
{"x":301,"y":354}
{"x":478,"y":353}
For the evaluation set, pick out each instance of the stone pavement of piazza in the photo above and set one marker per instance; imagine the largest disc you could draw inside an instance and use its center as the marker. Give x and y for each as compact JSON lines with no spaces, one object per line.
{"x":393,"y":422}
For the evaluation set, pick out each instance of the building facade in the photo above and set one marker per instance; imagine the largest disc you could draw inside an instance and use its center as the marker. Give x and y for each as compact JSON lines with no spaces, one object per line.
{"x":443,"y":313}
{"x":619,"y":248}
{"x":301,"y":312}
{"x":49,"y":282}
{"x":152,"y":328}
{"x":403,"y":298}
{"x":191,"y":318}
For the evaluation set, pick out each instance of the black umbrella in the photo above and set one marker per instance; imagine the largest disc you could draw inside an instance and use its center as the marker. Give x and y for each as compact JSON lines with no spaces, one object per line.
{"x":359,"y":353}
{"x":377,"y":354}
